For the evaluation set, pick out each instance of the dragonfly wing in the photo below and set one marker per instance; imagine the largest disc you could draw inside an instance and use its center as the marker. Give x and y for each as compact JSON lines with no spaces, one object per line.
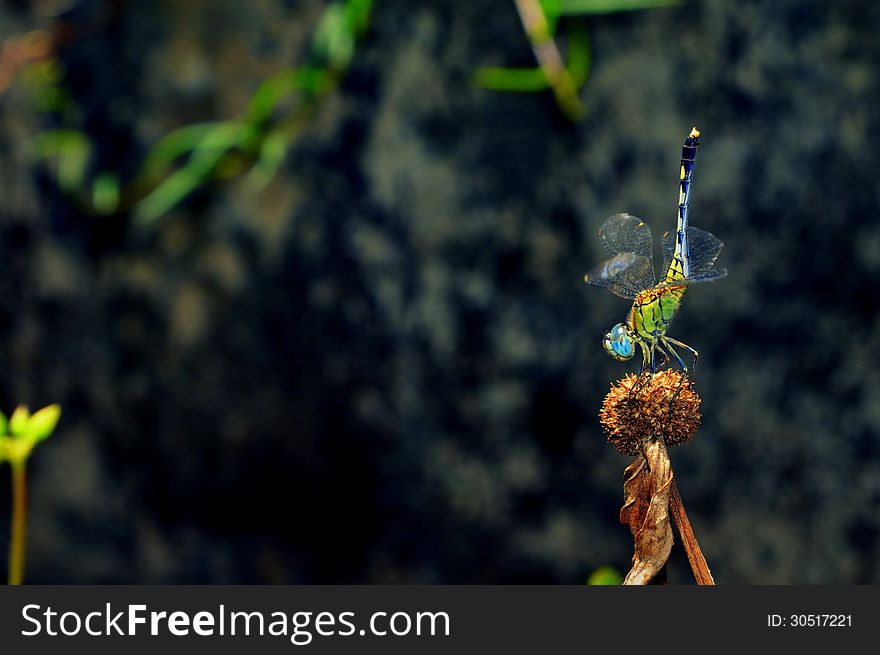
{"x":708,"y":276}
{"x":626,"y":233}
{"x":630,"y":266}
{"x":625,"y":274}
{"x":704,"y":248}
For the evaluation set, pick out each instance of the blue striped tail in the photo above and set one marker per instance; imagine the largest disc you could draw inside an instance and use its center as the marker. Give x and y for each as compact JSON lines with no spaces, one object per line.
{"x":680,"y":265}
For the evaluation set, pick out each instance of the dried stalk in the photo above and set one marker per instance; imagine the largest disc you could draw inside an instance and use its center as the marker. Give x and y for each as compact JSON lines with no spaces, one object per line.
{"x":699,"y":566}
{"x":549,"y":59}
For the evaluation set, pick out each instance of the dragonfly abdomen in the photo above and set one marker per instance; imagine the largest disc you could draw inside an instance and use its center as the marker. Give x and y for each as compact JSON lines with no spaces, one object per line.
{"x":653,"y":311}
{"x":680,"y":265}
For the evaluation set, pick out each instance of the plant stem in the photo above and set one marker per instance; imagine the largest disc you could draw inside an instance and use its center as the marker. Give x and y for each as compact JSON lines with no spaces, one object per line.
{"x":19,"y":522}
{"x":538,"y":30}
{"x":702,"y":574}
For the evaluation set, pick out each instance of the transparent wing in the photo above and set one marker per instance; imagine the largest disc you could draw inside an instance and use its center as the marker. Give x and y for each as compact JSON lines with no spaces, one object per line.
{"x":630,"y":267}
{"x":626,"y":233}
{"x":704,"y":248}
{"x":625,"y":274}
{"x":708,"y":276}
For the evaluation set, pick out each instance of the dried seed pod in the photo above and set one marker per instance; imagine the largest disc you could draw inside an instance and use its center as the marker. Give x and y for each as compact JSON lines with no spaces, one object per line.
{"x":631,"y":418}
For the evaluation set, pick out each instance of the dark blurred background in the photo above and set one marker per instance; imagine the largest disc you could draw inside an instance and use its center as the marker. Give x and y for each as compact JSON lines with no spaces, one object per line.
{"x":383,"y":366}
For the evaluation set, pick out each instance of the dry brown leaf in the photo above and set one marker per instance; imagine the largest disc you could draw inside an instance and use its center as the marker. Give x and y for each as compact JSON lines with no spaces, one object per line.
{"x":645,"y":510}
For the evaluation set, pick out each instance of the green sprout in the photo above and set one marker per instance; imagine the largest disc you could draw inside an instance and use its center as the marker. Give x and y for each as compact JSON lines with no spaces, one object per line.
{"x":18,"y":437}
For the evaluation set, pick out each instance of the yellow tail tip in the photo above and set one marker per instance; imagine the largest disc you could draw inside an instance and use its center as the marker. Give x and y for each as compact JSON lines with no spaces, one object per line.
{"x":694,"y":132}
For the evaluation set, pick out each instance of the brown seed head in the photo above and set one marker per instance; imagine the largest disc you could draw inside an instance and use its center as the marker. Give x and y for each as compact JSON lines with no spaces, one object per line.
{"x":630,"y":419}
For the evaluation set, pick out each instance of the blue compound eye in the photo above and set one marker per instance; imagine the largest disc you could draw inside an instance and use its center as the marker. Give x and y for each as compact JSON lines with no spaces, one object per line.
{"x":618,"y":332}
{"x":618,"y":344}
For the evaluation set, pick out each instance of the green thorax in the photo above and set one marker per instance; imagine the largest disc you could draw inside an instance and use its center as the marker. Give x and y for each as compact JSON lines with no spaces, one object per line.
{"x":653,"y":311}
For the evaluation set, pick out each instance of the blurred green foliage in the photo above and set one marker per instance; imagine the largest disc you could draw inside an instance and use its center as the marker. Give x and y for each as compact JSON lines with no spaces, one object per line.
{"x":605,"y":575}
{"x":254,"y":145}
{"x":43,"y":82}
{"x":558,"y":8}
{"x":525,"y":80}
{"x":578,"y":58}
{"x":186,"y":159}
{"x":72,"y":149}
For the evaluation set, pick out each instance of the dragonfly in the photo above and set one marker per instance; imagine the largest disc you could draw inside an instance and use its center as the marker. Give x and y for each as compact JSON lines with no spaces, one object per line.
{"x":689,"y":255}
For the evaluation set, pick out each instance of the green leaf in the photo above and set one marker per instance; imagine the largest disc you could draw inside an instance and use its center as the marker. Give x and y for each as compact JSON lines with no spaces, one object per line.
{"x":523,"y":80}
{"x":173,"y":146}
{"x":221,"y":139}
{"x":337,"y":31}
{"x":579,"y":54}
{"x":170,"y":192}
{"x":271,"y":92}
{"x":358,"y":15}
{"x":4,"y":424}
{"x":72,"y":149}
{"x":43,"y":81}
{"x":552,"y":11}
{"x":18,"y":422}
{"x":16,"y":451}
{"x":272,"y":153}
{"x":43,"y":422}
{"x":177,"y":186}
{"x":333,"y":42}
{"x":314,"y":81}
{"x":592,"y":7}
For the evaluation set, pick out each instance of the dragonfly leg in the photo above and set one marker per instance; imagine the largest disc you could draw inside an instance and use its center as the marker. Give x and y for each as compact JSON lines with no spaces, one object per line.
{"x":637,"y":385}
{"x":684,"y":368}
{"x":647,"y":363}
{"x":668,"y":342}
{"x":666,"y":358}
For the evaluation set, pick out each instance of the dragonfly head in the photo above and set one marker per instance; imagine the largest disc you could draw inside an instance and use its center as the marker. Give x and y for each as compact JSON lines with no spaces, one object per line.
{"x":618,"y":343}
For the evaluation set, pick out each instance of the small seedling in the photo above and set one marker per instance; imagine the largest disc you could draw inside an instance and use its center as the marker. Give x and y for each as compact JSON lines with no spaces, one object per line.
{"x":19,"y":435}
